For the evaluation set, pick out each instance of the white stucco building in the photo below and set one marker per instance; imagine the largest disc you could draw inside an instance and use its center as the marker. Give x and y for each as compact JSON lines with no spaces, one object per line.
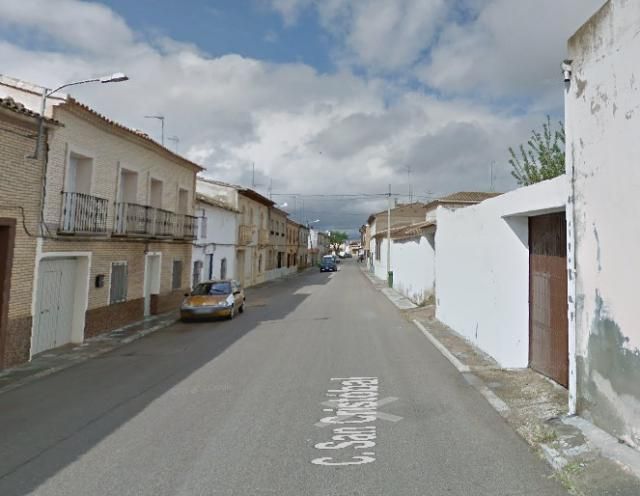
{"x":602,"y":117}
{"x":214,"y":252}
{"x":482,"y":269}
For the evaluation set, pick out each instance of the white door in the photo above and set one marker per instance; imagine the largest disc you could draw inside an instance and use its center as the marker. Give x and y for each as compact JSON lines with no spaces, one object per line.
{"x":54,"y":307}
{"x":151,"y":280}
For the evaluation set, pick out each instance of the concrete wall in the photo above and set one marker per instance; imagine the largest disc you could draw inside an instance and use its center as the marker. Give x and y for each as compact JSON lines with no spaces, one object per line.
{"x":602,"y":116}
{"x":413,"y":265}
{"x":482,"y":268}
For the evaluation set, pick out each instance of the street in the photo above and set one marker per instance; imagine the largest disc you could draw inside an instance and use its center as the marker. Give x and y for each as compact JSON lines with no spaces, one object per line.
{"x":235,"y":408}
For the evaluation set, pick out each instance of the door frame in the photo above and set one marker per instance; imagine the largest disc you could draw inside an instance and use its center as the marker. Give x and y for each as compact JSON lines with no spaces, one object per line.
{"x":5,"y":290}
{"x":81,"y":292}
{"x":151,"y":285}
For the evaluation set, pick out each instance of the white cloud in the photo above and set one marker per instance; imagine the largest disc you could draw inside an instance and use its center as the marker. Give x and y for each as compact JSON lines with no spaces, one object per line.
{"x":512,"y":48}
{"x":307,"y":132}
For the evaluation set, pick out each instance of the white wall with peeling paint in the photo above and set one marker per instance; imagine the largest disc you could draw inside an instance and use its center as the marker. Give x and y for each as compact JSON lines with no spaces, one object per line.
{"x":482,"y":269}
{"x":603,"y":150}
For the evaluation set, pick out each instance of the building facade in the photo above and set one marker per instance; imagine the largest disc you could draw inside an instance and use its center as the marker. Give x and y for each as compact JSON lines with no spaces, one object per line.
{"x":277,"y":251}
{"x":117,"y":228}
{"x":602,"y":101}
{"x":20,"y":208}
{"x":253,"y":237}
{"x":214,"y":253}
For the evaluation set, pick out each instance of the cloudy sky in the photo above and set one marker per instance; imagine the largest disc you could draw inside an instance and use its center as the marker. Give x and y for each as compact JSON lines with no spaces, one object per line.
{"x":322,"y":97}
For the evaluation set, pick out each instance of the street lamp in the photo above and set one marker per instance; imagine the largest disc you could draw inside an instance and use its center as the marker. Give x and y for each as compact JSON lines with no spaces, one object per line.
{"x":116,"y":77}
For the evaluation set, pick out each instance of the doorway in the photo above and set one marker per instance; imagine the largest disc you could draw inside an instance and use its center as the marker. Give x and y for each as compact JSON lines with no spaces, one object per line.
{"x":7,"y":241}
{"x":548,"y":320}
{"x":151,"y":279}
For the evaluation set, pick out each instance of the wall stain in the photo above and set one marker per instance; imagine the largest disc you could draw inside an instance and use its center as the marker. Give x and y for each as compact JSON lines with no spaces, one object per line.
{"x":609,"y":358}
{"x":598,"y":253}
{"x":582,"y":85}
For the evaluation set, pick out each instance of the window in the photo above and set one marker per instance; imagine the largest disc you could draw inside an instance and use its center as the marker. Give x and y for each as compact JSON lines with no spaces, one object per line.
{"x":183,"y":201}
{"x":155,"y":193}
{"x":176,"y":275}
{"x":223,"y":268}
{"x":378,"y":245}
{"x":260,"y":264}
{"x":197,"y":268}
{"x":203,"y":227}
{"x":118,"y":290}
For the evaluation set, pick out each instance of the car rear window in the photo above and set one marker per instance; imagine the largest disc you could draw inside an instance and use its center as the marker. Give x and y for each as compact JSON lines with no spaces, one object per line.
{"x":212,"y":288}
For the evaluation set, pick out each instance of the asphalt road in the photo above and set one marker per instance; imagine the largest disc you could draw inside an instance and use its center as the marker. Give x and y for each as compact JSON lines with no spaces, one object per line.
{"x":235,"y":408}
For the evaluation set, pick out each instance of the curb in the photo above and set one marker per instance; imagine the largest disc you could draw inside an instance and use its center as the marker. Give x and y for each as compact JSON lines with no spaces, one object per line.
{"x":73,"y":362}
{"x":462,"y":368}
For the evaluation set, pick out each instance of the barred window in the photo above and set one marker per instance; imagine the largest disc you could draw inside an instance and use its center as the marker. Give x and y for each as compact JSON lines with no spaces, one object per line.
{"x":118,"y":290}
{"x":176,"y":276}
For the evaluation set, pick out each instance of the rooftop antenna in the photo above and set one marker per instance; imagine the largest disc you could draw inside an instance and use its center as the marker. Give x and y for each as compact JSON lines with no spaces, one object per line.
{"x":176,"y":140}
{"x":409,"y":183}
{"x":161,"y":119}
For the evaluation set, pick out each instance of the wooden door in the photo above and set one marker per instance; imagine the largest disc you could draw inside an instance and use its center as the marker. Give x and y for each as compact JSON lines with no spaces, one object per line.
{"x":548,"y":321}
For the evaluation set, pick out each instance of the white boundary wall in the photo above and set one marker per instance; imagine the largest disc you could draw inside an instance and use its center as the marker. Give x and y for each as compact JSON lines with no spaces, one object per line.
{"x":482,"y":268}
{"x":413,"y":265}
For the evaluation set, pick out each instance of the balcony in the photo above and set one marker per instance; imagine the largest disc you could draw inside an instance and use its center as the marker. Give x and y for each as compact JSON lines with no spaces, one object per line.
{"x":263,"y":237}
{"x":245,"y":235}
{"x":142,"y":220}
{"x":83,"y":214}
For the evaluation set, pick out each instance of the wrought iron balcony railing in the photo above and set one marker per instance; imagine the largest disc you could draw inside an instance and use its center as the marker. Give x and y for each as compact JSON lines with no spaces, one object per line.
{"x":82,"y":213}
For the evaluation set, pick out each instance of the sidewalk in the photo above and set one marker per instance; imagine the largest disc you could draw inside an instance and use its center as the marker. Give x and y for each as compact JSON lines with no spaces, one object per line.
{"x":52,"y":361}
{"x":588,"y":461}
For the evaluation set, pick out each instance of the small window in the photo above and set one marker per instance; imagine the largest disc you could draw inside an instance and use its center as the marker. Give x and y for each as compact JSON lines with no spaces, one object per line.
{"x":118,"y":291}
{"x":197,"y":269}
{"x":203,"y":227}
{"x":223,"y":268}
{"x":176,"y":277}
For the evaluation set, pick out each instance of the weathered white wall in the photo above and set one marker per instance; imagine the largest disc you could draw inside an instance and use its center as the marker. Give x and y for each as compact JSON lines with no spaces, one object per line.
{"x":413,"y":265}
{"x":603,"y":118}
{"x":482,"y":268}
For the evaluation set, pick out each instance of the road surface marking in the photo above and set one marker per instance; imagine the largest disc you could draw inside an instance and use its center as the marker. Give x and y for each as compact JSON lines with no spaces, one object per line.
{"x":355,"y":410}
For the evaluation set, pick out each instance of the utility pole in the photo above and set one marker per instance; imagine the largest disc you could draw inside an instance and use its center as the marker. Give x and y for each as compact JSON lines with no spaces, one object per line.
{"x":389,"y":281}
{"x":491,"y":176}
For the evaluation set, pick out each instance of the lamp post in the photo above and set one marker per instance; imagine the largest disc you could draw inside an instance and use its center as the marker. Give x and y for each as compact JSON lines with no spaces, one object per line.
{"x":161,"y":119}
{"x":116,"y":77}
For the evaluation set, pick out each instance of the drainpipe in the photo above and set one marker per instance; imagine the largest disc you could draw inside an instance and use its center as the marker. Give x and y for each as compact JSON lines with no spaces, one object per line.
{"x":571,"y":245}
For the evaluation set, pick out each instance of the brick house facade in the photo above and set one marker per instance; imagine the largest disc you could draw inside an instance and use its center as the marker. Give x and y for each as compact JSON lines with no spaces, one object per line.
{"x":20,"y":201}
{"x":117,"y":232}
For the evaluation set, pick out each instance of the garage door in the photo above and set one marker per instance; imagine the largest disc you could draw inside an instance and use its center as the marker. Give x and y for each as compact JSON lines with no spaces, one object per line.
{"x":548,"y":321}
{"x":54,"y":304}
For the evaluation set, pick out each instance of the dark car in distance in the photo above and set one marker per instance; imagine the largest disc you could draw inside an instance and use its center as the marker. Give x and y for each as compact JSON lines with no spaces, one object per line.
{"x":328,"y":265}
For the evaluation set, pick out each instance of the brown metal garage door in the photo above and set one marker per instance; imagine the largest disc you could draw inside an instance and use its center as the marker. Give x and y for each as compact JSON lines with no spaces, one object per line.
{"x":548,"y":325}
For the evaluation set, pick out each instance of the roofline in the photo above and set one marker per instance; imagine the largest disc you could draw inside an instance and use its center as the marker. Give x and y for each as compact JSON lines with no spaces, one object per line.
{"x":219,"y":183}
{"x":254,"y":195}
{"x":214,"y":203}
{"x":74,"y":106}
{"x":19,"y":111}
